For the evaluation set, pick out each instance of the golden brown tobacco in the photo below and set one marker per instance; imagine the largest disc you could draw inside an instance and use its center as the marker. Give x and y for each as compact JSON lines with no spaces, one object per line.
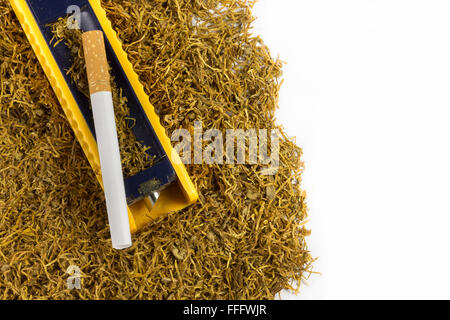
{"x":244,"y":239}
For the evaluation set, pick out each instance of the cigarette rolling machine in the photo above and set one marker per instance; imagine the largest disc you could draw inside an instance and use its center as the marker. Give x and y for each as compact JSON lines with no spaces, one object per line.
{"x":165,"y":187}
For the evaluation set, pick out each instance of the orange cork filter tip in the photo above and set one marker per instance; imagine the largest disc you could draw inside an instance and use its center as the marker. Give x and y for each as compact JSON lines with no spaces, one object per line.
{"x":96,"y":62}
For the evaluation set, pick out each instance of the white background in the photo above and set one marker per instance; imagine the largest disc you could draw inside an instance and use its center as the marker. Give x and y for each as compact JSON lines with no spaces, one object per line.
{"x":367,"y":94}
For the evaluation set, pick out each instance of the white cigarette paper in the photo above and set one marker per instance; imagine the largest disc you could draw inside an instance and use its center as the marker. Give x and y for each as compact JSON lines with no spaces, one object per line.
{"x":108,"y":148}
{"x":107,"y":140}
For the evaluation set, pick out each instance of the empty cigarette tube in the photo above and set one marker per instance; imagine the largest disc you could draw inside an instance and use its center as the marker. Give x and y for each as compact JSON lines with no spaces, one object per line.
{"x":107,"y":141}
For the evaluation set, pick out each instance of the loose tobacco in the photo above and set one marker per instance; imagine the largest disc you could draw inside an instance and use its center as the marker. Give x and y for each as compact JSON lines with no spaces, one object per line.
{"x":244,"y":239}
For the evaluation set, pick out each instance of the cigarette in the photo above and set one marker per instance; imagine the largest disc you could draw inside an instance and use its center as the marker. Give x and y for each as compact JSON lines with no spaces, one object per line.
{"x":107,"y":140}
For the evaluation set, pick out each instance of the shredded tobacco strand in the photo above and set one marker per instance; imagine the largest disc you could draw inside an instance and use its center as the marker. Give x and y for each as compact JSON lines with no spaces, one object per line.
{"x":198,"y":61}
